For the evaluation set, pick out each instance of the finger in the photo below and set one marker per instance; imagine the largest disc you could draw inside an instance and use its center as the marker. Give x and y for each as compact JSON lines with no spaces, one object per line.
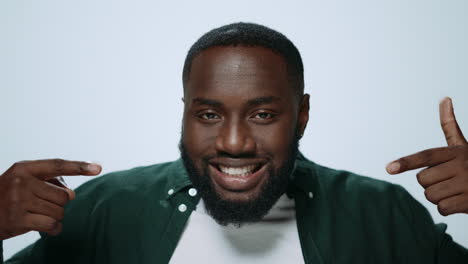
{"x":452,"y":131}
{"x":42,"y":223}
{"x":44,"y":169}
{"x":57,"y":230}
{"x":436,"y":174}
{"x":60,"y":182}
{"x":57,"y":181}
{"x":453,"y":205}
{"x":443,"y":190}
{"x":425,"y":158}
{"x":46,"y":208}
{"x":51,"y":193}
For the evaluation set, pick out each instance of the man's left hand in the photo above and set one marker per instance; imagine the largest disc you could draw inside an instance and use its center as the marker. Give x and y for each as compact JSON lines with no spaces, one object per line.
{"x":445,"y":179}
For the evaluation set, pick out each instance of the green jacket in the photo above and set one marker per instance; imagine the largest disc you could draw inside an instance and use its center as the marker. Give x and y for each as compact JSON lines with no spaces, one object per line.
{"x":133,"y":217}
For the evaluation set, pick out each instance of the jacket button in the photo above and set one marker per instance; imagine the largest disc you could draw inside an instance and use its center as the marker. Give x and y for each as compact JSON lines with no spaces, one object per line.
{"x":170,"y":192}
{"x":182,"y":208}
{"x":311,"y":195}
{"x":192,"y":192}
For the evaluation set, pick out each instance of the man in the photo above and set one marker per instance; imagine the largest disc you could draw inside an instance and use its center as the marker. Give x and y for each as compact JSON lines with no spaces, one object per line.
{"x":241,"y":192}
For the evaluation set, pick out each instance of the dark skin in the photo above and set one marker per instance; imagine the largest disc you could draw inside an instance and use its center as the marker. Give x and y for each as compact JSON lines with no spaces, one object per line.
{"x":30,"y":198}
{"x":239,"y":109}
{"x":445,"y":177}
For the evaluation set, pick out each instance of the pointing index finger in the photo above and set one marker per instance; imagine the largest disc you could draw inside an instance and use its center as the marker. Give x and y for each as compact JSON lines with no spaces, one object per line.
{"x":49,"y":168}
{"x":425,"y":158}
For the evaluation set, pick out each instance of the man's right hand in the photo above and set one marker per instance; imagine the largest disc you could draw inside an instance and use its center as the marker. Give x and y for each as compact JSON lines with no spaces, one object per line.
{"x":29,"y":198}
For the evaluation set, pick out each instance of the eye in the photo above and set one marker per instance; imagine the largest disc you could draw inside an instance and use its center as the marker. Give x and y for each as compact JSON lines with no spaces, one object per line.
{"x":209,"y":116}
{"x":264,"y":116}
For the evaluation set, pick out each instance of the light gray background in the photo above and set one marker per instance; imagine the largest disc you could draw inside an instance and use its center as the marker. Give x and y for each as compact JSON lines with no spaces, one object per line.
{"x":100,"y":80}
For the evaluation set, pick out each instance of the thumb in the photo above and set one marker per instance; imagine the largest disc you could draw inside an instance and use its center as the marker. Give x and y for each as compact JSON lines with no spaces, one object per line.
{"x":60,"y":182}
{"x":71,"y":193}
{"x":452,"y":132}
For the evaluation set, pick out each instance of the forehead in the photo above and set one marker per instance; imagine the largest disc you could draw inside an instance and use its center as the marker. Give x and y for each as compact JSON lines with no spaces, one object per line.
{"x":239,"y":72}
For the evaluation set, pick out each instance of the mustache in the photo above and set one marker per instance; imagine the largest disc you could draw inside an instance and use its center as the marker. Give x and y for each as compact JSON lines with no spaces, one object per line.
{"x":207,"y":157}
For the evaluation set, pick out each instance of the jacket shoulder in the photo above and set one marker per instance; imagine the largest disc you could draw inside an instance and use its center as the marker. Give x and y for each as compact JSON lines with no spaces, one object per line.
{"x":139,"y":180}
{"x":346,"y":182}
{"x":362,"y":195}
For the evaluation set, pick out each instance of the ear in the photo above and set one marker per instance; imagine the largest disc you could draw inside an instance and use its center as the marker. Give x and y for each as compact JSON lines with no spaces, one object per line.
{"x":303,"y":117}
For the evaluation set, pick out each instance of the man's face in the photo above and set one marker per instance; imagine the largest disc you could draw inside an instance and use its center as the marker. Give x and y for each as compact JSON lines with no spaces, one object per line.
{"x":241,"y":126}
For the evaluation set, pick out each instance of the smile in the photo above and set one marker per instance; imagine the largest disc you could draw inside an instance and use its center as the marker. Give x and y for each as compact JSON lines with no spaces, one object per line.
{"x":237,"y":177}
{"x":238,"y":171}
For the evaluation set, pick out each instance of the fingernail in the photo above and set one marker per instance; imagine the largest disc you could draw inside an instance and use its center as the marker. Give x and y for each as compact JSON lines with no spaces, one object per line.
{"x":94,"y":168}
{"x":445,"y":98}
{"x":393,"y":167}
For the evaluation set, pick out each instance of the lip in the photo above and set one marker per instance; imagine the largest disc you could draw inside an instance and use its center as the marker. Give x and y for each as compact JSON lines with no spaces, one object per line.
{"x":237,"y":183}
{"x":237,"y":162}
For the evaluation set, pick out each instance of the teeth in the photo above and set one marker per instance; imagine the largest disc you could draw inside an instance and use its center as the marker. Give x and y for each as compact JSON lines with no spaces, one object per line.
{"x":238,"y":171}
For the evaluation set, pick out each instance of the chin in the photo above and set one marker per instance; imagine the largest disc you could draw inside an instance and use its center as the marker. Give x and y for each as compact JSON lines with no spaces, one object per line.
{"x":239,"y":198}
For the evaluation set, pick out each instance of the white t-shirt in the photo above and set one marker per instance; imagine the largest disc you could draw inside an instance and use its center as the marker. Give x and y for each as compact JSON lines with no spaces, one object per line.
{"x":273,"y":240}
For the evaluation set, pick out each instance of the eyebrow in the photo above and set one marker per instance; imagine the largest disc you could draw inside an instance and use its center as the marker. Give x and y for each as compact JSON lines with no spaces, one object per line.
{"x":252,"y":102}
{"x":205,"y":101}
{"x":263,"y":100}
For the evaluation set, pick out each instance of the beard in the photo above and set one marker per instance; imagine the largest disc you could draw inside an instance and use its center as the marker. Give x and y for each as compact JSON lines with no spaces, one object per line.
{"x":237,"y":213}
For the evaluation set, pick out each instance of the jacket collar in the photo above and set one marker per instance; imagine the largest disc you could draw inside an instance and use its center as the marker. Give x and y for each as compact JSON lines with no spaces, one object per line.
{"x":178,"y":180}
{"x":304,"y":177}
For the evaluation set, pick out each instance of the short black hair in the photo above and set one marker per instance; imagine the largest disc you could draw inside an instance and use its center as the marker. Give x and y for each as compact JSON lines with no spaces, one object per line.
{"x":250,"y":34}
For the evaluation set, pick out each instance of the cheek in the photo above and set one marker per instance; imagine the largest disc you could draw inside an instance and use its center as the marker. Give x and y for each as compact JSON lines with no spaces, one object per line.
{"x":276,"y":138}
{"x":198,"y":138}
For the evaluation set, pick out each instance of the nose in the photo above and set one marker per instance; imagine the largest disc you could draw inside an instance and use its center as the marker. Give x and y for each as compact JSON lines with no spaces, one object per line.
{"x":235,"y":139}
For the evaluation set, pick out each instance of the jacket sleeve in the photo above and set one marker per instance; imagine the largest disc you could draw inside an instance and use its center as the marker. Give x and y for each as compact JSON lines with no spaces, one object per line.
{"x":446,"y":250}
{"x":64,"y":248}
{"x":19,"y":257}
